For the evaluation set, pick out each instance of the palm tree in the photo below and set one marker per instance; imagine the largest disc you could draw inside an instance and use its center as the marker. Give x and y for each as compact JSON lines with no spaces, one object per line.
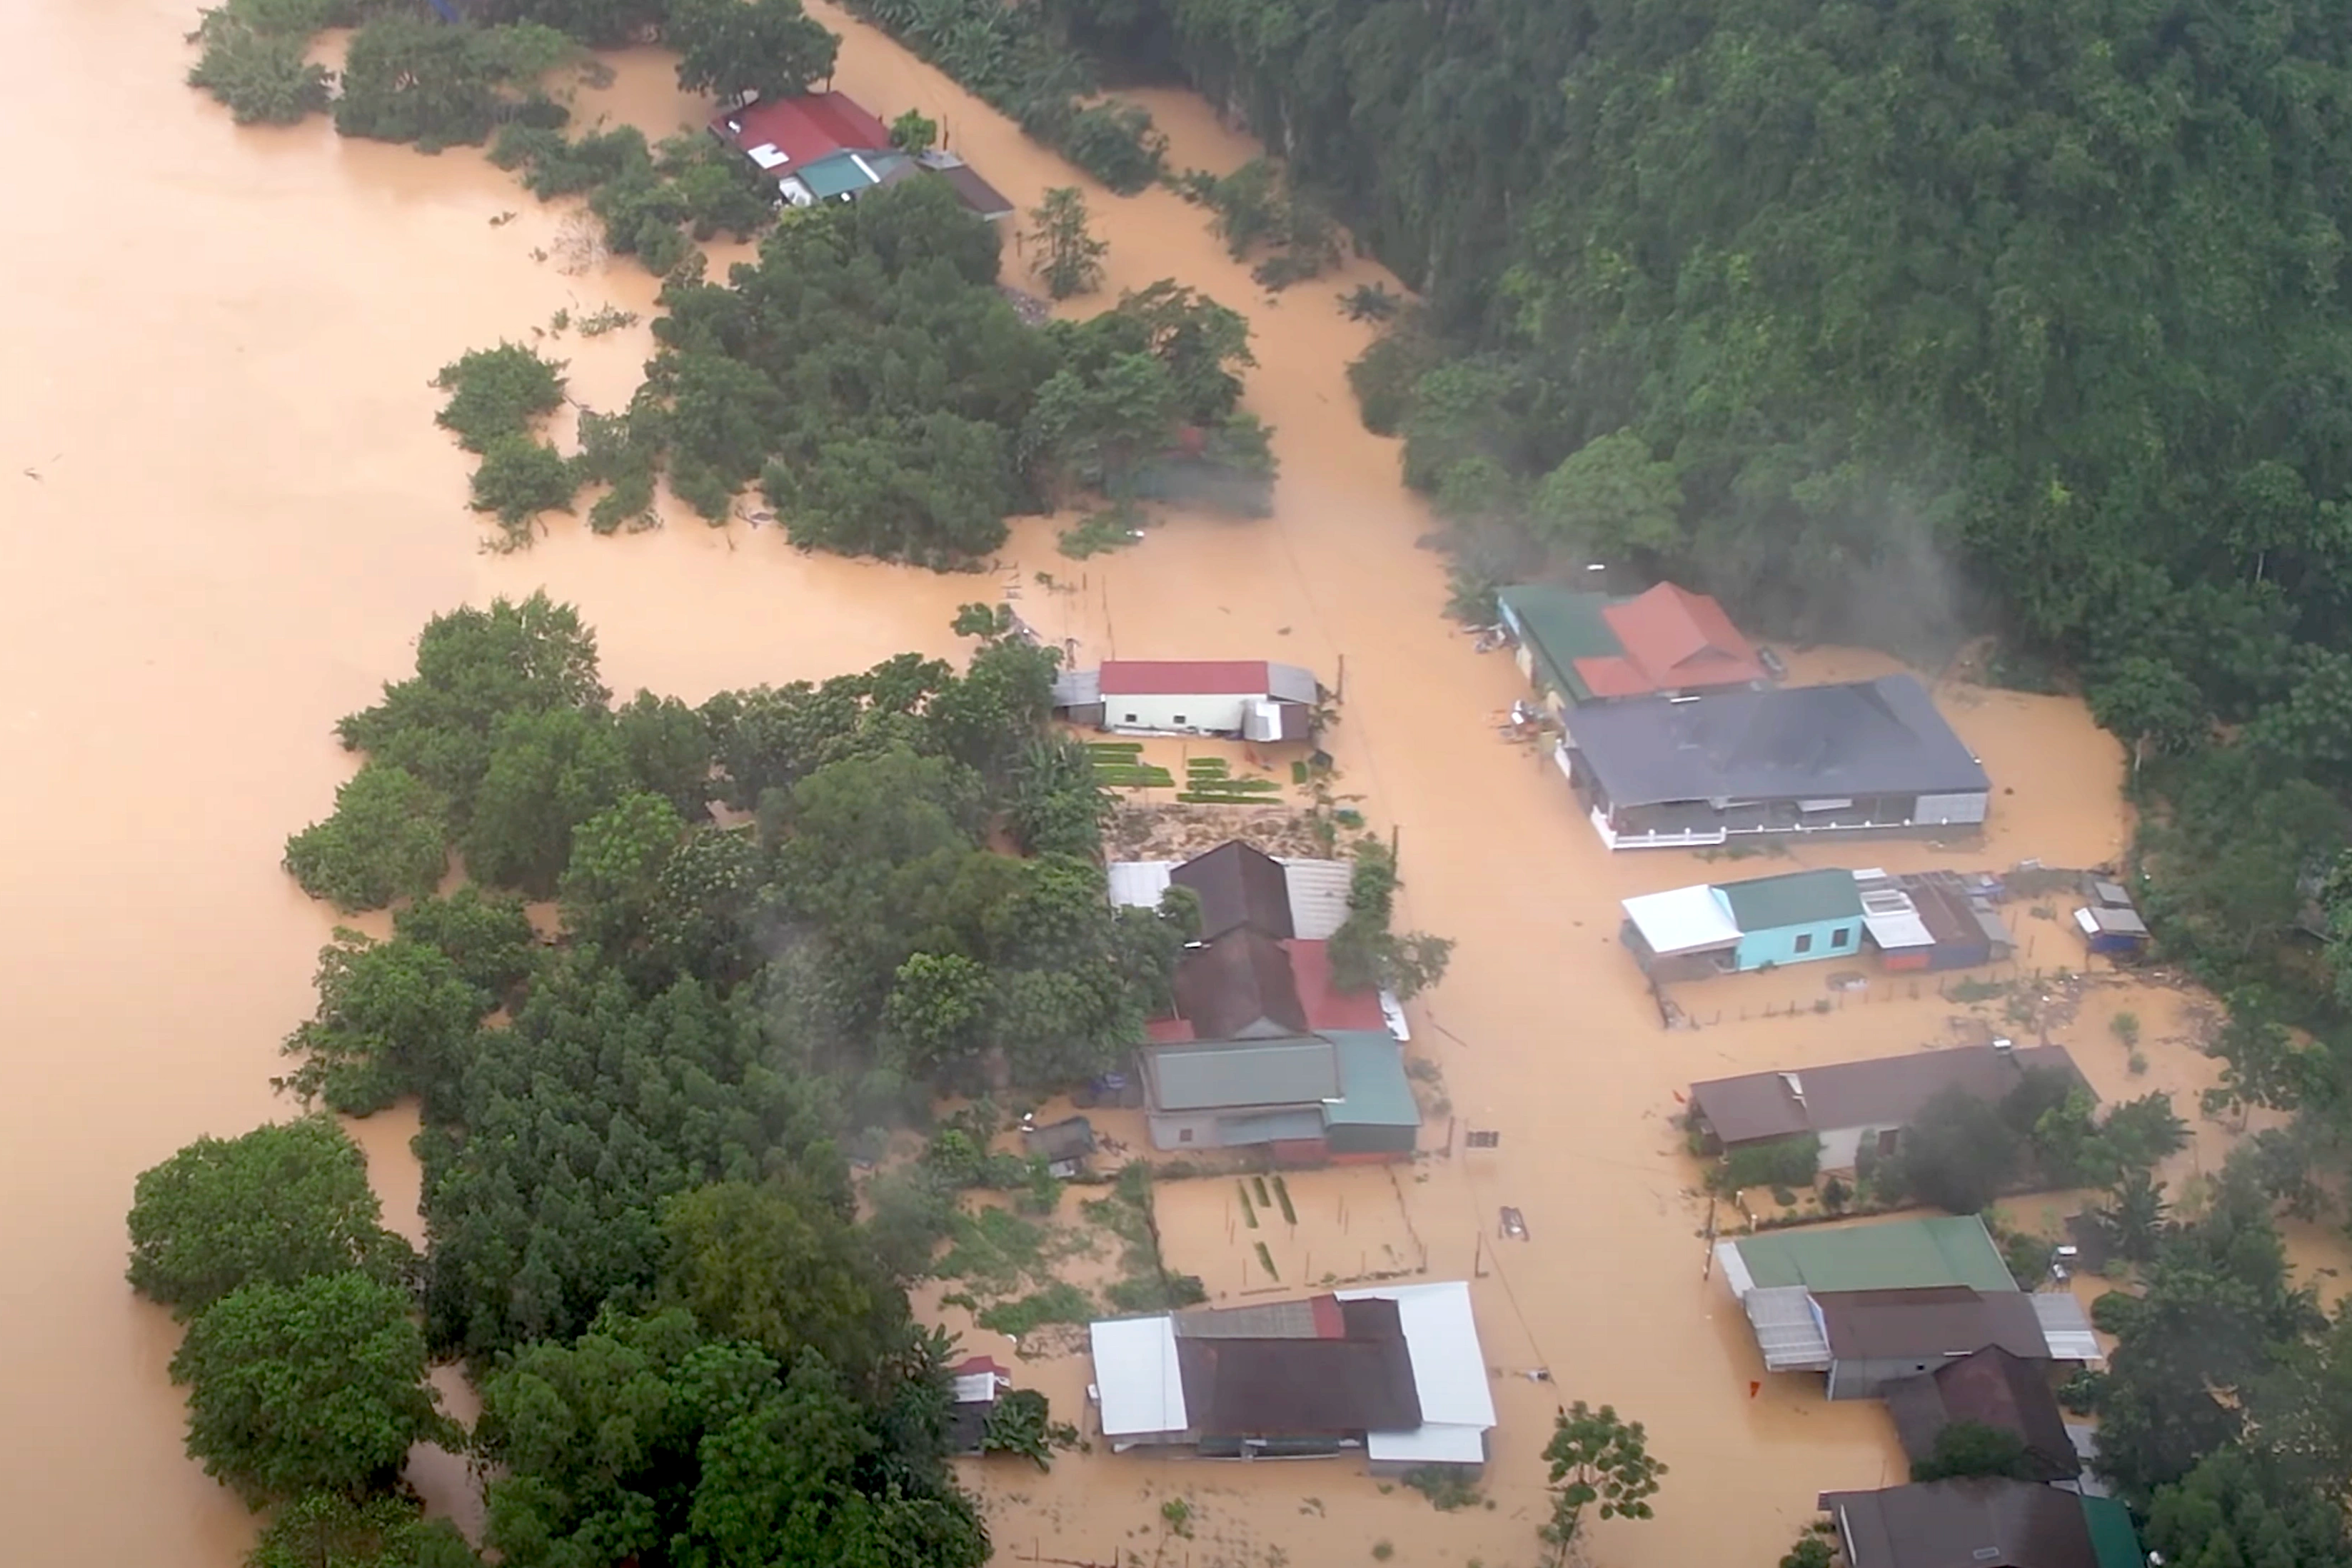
{"x":2134,"y":1217}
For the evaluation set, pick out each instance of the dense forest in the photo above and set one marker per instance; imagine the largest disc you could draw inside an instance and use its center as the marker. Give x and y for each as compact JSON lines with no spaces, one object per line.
{"x":789,"y":914}
{"x":868,"y":372}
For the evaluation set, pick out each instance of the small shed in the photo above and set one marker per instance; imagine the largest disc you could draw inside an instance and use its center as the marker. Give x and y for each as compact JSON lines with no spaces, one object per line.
{"x":1063,"y":1145}
{"x":976,"y":1383}
{"x":2109,"y":922}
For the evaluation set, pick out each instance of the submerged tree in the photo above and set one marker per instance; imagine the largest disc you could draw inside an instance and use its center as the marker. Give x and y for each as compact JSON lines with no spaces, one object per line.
{"x":1596,"y":1457}
{"x":387,"y":839}
{"x":1068,"y":258}
{"x":734,"y":48}
{"x":275,"y":1206}
{"x":313,"y":1387}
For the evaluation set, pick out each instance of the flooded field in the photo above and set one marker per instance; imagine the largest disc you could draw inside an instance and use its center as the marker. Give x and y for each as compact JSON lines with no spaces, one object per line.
{"x":229,"y":511}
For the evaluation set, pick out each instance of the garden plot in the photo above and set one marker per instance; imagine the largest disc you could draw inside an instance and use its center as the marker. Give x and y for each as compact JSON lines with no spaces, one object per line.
{"x":1338,"y":1226}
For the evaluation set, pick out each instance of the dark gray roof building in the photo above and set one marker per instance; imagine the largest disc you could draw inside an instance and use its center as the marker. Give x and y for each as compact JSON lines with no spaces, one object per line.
{"x":1992,"y":1387}
{"x":1868,"y":756}
{"x":1239,"y":986}
{"x":1237,"y":886}
{"x":1971,"y":1524}
{"x":1881,"y":1092}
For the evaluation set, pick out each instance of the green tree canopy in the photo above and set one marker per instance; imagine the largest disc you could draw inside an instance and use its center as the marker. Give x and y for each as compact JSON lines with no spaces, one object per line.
{"x":645,"y":1439}
{"x":327,"y":1529}
{"x":777,"y":1266}
{"x":767,"y":48}
{"x":274,"y":1206}
{"x":387,"y":839}
{"x":317,"y":1386}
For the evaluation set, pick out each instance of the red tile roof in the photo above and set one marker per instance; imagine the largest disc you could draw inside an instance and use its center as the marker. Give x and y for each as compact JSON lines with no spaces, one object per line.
{"x":1184,"y":678}
{"x":804,"y":129}
{"x":1675,"y":639}
{"x":1169,"y":1031}
{"x":1327,"y":1007}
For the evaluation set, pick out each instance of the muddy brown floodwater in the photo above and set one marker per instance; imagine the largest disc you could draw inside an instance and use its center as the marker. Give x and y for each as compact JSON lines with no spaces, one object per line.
{"x":228,"y":511}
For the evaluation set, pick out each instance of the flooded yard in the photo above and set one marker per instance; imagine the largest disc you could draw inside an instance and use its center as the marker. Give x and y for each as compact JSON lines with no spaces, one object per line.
{"x":230,"y":510}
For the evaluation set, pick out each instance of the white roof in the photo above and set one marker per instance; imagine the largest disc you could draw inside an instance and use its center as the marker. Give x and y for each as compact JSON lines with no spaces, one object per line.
{"x":1138,"y":883}
{"x":1431,"y":1442}
{"x":1449,"y":1369}
{"x":1319,"y":896}
{"x":975,"y":1388}
{"x":1889,"y":914}
{"x":1141,"y":1388}
{"x":2067,"y":1328}
{"x":768,"y":156}
{"x":1688,"y":920}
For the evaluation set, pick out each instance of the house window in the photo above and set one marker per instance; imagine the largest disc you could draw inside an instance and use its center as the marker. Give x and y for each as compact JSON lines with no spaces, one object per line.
{"x":1805,"y":941}
{"x":1179,"y":718}
{"x":1183,"y":1135}
{"x":1840,"y":936}
{"x":1130,"y":718}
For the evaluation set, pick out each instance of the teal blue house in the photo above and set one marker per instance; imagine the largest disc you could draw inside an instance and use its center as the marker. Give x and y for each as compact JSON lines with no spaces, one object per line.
{"x":1731,"y":928}
{"x":1795,"y":918}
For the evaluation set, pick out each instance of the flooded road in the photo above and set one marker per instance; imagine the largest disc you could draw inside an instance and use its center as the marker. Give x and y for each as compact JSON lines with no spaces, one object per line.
{"x":228,"y":511}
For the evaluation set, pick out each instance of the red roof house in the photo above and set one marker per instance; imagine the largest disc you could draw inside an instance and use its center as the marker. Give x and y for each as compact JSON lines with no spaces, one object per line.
{"x":788,"y":133}
{"x":1671,"y":640}
{"x":1326,"y":1007}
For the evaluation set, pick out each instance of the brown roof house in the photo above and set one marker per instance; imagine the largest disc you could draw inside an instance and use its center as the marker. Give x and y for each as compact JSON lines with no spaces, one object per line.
{"x":1395,"y":1372}
{"x":1240,"y":987}
{"x":1238,"y":885}
{"x":1992,"y":1387}
{"x":1847,"y":1104}
{"x":1866,"y":1339}
{"x":1982,"y":1524}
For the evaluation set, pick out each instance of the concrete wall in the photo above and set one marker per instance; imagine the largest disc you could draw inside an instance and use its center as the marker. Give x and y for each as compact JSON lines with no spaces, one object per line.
{"x":1864,"y":1379}
{"x":1841,"y":1146}
{"x":1801,"y":943}
{"x":1939,"y":809}
{"x":1169,"y":1131}
{"x":1217,"y":714}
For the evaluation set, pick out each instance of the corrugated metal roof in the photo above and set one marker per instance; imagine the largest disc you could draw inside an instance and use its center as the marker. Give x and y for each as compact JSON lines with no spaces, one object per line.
{"x":2066,"y":1329}
{"x":1139,"y":1384}
{"x":1236,"y":1075}
{"x":1683,"y":919}
{"x":1802,"y":743}
{"x":1786,"y":1331}
{"x":1791,"y":898}
{"x":1138,"y":884}
{"x":1953,"y":1249}
{"x":1271,"y":1127}
{"x":1077,"y":688}
{"x":1290,"y":683}
{"x":1449,"y":1368}
{"x":1319,"y":896}
{"x":1374,"y":1088}
{"x":1889,"y":914}
{"x":1184,"y":678}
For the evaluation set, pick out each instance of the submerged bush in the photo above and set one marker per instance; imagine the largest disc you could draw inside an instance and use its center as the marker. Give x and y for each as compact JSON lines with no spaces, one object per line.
{"x":387,"y":839}
{"x":265,"y":78}
{"x":497,"y":392}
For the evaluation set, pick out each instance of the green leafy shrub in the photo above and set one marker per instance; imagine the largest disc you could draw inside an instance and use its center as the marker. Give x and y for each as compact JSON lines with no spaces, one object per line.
{"x":387,"y":839}
{"x":520,"y":478}
{"x":264,"y":77}
{"x":497,"y":392}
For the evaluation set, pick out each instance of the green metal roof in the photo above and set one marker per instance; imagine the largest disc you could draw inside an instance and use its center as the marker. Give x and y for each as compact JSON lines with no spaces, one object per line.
{"x":837,"y":173}
{"x":1374,"y":1088}
{"x":1562,"y":625}
{"x":2114,"y":1542}
{"x":1795,"y":899}
{"x":1895,"y":1256}
{"x":1242,"y":1075}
